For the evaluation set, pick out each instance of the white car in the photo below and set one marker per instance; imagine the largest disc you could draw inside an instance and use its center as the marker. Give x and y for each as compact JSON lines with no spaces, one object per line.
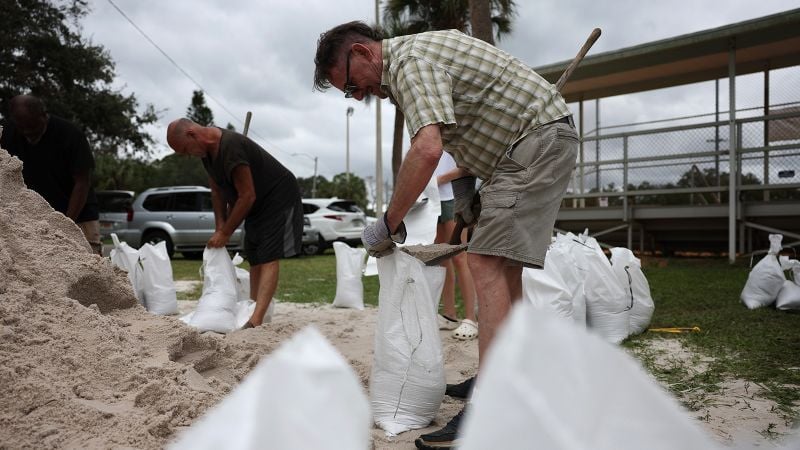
{"x":335,"y":219}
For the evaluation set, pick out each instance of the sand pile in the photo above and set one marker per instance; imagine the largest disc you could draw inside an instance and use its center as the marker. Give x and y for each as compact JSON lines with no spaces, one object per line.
{"x":81,"y":364}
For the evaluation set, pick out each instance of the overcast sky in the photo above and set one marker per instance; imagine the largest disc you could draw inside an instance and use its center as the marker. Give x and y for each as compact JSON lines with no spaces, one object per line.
{"x":257,"y":56}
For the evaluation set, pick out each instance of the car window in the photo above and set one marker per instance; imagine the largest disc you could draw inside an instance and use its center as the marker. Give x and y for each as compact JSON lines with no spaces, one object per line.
{"x":309,"y":208}
{"x":345,"y":206}
{"x":157,"y":202}
{"x":113,"y":202}
{"x":205,"y":201}
{"x":185,"y":202}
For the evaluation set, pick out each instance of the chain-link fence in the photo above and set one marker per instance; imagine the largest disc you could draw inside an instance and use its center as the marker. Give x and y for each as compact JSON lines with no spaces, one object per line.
{"x":686,"y":160}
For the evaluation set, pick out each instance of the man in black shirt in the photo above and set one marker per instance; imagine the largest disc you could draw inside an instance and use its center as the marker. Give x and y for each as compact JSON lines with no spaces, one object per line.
{"x":248,"y":184}
{"x":56,"y":162}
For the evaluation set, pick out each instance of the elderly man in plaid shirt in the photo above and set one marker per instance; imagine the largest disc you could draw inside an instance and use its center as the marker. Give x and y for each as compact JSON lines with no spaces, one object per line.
{"x":501,"y":122}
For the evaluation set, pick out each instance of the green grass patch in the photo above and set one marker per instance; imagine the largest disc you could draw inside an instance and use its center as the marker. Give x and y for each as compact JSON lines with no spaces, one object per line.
{"x":762,"y":345}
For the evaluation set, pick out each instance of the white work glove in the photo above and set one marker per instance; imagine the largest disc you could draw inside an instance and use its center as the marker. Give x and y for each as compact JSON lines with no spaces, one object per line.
{"x":378,"y":240}
{"x":465,"y":205}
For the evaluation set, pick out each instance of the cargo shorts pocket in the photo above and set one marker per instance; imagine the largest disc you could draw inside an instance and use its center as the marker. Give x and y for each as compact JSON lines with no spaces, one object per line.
{"x":496,"y":222}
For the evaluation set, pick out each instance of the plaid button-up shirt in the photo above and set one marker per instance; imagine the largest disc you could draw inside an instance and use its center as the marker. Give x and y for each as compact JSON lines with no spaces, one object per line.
{"x":485,"y":99}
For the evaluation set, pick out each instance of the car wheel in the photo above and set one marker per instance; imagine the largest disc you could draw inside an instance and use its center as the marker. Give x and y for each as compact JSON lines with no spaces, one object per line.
{"x":156,"y":236}
{"x":193,"y":255}
{"x":314,"y":248}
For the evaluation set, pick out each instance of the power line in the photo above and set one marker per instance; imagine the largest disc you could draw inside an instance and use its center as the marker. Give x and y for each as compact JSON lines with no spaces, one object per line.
{"x":186,"y":74}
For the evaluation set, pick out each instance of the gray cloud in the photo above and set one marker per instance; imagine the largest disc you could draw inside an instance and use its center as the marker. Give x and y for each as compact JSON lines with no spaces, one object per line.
{"x":258,"y":56}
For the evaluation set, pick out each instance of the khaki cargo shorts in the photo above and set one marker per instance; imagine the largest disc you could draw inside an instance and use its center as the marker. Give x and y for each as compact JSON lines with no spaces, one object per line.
{"x":520,"y":201}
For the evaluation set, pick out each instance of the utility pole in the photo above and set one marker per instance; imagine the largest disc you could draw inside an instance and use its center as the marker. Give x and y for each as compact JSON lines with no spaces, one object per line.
{"x":347,"y":145}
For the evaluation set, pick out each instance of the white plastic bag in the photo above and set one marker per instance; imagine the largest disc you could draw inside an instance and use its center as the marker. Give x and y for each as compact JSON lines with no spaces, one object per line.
{"x":561,"y":258}
{"x":407,"y":382}
{"x":371,"y":267}
{"x":127,"y":258}
{"x":628,"y":269}
{"x":545,"y":290}
{"x":422,"y":218}
{"x":789,"y":295}
{"x":157,"y":284}
{"x":216,"y":309}
{"x":350,"y":264}
{"x":607,"y":304}
{"x":766,"y":279}
{"x":548,"y":384}
{"x":304,"y":395}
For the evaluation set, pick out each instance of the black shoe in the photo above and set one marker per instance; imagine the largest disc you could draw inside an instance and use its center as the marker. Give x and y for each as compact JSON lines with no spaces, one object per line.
{"x":447,"y":437}
{"x":460,"y":390}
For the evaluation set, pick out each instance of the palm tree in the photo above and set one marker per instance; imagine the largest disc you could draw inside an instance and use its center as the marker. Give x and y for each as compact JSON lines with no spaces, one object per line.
{"x":476,"y":17}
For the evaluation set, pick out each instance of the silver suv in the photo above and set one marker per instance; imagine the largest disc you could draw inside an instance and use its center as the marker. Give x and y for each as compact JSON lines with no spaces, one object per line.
{"x":182,"y":216}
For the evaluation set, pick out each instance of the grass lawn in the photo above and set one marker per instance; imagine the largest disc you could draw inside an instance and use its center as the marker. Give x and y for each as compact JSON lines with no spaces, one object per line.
{"x":762,"y":346}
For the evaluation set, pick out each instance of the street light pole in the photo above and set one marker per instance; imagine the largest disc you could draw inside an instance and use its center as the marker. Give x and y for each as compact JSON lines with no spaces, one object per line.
{"x":314,"y":181}
{"x":378,"y":156}
{"x":349,"y":113}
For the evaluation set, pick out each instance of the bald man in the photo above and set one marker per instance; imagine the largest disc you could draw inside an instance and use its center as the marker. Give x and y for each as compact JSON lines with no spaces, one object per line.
{"x":247,"y":184}
{"x":56,"y":162}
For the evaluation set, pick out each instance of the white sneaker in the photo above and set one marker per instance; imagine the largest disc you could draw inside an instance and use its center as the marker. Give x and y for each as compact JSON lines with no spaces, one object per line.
{"x":447,"y":323}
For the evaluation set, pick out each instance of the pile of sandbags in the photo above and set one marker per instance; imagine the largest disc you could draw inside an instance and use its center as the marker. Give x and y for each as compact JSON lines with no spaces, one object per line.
{"x":578,"y":282}
{"x":766,"y":283}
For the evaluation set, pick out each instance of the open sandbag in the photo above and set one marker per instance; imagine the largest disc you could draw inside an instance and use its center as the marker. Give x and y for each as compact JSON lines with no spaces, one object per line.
{"x":628,"y":269}
{"x":158,"y":286}
{"x":216,"y":309}
{"x":608,"y":305}
{"x":548,"y":384}
{"x":407,"y":383}
{"x":302,"y":396}
{"x":766,"y":279}
{"x":349,"y":268}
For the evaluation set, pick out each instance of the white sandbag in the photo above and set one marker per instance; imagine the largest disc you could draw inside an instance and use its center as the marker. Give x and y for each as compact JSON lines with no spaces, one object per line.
{"x":548,"y":384}
{"x":766,"y":278}
{"x":216,"y":309}
{"x":349,"y":268}
{"x":628,"y":269}
{"x":304,"y":395}
{"x":423,"y":216}
{"x":789,"y":295}
{"x":242,"y":279}
{"x":127,"y":258}
{"x":607,"y":304}
{"x":545,"y":290}
{"x":407,"y":383}
{"x":158,"y":286}
{"x":371,"y":268}
{"x":560,"y":257}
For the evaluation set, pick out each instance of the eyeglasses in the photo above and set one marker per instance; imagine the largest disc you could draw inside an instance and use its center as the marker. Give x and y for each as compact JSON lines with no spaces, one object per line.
{"x":349,"y":88}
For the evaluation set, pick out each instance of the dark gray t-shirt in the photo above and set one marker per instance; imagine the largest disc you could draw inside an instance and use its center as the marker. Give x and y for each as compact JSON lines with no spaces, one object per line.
{"x":276,"y":187}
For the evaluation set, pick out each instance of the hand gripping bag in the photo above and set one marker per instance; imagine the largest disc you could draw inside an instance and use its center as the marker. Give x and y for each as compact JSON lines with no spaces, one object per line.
{"x":407,"y":382}
{"x":216,"y":309}
{"x":349,"y":268}
{"x":628,"y":269}
{"x":766,"y":279}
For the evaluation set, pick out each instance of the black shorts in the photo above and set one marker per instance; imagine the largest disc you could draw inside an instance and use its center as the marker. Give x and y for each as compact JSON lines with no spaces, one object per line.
{"x":272,"y":236}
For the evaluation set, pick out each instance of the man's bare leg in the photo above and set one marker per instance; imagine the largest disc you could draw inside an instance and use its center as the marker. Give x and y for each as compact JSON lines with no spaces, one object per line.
{"x":263,"y":284}
{"x":494,"y":296}
{"x":466,"y":284}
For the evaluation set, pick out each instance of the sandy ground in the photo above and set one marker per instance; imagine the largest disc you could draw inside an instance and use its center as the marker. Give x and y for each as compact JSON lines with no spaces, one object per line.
{"x":83,"y":366}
